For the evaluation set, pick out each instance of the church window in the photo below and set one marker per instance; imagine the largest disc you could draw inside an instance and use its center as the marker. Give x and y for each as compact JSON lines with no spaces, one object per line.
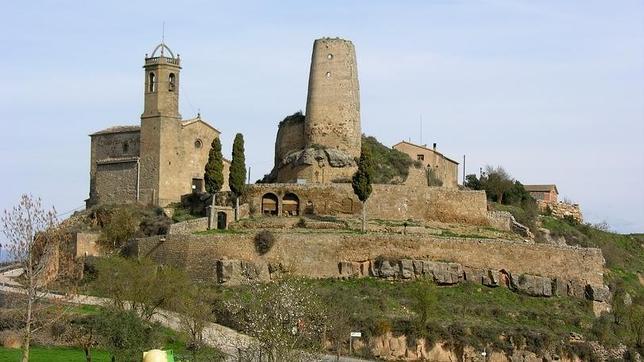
{"x":152,"y":85}
{"x":126,"y":147}
{"x":198,"y":143}
{"x":172,"y":82}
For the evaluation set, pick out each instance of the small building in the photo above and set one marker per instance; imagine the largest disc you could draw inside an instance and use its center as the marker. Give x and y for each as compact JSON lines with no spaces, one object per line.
{"x":444,"y":168}
{"x":545,"y":193}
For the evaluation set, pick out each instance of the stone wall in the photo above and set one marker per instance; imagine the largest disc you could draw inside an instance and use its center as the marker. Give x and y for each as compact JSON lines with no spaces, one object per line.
{"x":390,"y":202}
{"x":290,"y":137}
{"x":86,"y":244}
{"x":189,"y":226}
{"x":445,"y":169}
{"x":318,"y":255}
{"x":116,"y":181}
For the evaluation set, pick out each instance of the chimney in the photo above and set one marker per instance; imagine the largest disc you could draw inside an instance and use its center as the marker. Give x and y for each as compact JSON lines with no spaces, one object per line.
{"x":434,"y":146}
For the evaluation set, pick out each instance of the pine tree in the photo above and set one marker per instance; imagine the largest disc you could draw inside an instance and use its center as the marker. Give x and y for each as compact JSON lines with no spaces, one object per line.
{"x":237,"y":177}
{"x":214,"y":170}
{"x":361,"y":182}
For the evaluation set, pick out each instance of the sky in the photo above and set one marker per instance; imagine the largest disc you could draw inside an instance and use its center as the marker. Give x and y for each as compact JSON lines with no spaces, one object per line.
{"x":551,"y":90}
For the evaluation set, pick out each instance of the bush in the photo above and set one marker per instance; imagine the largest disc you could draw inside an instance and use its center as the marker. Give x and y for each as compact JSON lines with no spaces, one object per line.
{"x":389,"y":165}
{"x":122,"y":226}
{"x":382,"y":327}
{"x":432,"y":178}
{"x":264,"y":241}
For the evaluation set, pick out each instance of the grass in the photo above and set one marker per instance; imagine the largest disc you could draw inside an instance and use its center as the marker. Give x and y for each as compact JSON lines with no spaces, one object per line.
{"x":52,"y":354}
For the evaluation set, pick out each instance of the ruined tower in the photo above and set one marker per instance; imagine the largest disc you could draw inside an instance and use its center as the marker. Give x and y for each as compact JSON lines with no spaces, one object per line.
{"x":322,"y":146}
{"x":160,"y":123}
{"x":333,"y":102}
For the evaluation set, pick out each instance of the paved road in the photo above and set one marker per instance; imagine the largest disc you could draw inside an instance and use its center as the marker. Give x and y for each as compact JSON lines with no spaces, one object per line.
{"x":215,"y":335}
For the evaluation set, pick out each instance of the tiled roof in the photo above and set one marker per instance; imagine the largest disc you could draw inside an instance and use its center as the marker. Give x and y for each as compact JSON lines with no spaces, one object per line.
{"x":540,"y":188}
{"x":117,"y":129}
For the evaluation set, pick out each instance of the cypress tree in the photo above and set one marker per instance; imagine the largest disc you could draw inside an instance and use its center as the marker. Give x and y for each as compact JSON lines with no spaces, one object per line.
{"x":237,"y":177}
{"x":214,"y":170}
{"x":361,"y":182}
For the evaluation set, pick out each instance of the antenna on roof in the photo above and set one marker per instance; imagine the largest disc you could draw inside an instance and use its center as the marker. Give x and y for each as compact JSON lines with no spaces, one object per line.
{"x":162,"y":37}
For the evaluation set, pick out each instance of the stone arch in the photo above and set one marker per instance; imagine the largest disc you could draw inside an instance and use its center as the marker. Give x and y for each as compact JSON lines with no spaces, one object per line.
{"x":290,"y":204}
{"x":270,"y":204}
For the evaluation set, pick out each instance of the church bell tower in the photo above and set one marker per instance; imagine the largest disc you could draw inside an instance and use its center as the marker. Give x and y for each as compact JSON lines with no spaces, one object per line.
{"x":160,"y":126}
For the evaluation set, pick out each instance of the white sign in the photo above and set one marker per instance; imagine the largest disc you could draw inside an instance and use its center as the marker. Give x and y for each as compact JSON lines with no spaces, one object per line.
{"x":356,"y":334}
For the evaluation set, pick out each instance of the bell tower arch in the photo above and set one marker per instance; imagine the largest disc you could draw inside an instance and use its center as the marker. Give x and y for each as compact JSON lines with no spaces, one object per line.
{"x":162,"y":70}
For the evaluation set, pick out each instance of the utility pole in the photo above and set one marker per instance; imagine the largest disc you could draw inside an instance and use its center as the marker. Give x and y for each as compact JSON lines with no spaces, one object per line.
{"x":463,"y":170}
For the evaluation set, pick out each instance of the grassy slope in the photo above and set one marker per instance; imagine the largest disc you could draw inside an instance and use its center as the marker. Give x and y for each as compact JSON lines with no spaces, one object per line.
{"x":53,"y":354}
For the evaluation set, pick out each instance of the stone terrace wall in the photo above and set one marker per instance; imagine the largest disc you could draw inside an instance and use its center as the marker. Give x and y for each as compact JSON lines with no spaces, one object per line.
{"x":391,"y":202}
{"x":189,"y":226}
{"x":318,"y":255}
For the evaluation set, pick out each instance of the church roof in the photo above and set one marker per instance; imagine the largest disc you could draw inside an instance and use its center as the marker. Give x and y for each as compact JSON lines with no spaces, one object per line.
{"x":198,"y":119}
{"x":117,"y":129}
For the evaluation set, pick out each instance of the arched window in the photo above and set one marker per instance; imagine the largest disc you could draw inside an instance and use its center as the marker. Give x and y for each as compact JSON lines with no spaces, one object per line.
{"x":152,"y":82}
{"x":171,"y":82}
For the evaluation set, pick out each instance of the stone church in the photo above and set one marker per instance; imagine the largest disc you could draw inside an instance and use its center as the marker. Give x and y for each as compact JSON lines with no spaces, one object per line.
{"x":159,"y":160}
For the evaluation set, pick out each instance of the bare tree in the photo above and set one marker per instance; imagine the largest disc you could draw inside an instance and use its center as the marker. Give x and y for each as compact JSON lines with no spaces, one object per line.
{"x":32,"y":238}
{"x":497,"y":181}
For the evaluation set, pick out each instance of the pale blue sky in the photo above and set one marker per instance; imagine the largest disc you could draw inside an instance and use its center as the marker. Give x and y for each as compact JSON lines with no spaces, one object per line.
{"x":551,"y":90}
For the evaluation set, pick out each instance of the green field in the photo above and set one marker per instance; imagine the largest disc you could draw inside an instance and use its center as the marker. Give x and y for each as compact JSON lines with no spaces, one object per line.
{"x":54,"y":354}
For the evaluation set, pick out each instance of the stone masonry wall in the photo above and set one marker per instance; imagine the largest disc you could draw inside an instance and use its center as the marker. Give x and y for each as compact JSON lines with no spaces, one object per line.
{"x":391,"y":202}
{"x":318,"y":255}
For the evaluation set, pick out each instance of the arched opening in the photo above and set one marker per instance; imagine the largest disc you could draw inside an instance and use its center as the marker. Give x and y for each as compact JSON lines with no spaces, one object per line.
{"x":152,"y":83}
{"x":290,"y":205}
{"x":269,"y":204}
{"x":221,"y":220}
{"x":171,"y":82}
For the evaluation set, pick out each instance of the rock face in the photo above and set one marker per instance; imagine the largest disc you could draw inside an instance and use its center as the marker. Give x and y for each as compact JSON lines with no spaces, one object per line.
{"x":235,"y":272}
{"x":534,"y":285}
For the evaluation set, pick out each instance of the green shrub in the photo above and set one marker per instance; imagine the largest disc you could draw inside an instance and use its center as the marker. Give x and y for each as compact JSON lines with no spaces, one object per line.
{"x":389,"y":165}
{"x":122,"y":225}
{"x":264,"y":241}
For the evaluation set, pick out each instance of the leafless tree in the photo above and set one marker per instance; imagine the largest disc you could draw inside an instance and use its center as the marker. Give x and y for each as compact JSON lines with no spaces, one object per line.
{"x":32,"y":236}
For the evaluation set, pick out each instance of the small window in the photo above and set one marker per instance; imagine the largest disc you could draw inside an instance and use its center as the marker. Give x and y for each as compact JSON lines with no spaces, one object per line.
{"x":328,"y":74}
{"x":330,"y":56}
{"x":420,"y":157}
{"x":126,"y":147}
{"x":171,"y":82}
{"x":198,"y":143}
{"x":152,"y":85}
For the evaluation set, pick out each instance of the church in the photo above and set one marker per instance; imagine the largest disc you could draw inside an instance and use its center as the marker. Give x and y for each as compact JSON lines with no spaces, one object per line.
{"x":163,"y":158}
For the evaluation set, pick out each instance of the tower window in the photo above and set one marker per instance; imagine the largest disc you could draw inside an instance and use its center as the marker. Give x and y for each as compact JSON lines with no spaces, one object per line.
{"x":330,"y":56}
{"x":171,"y":82}
{"x":152,"y":83}
{"x":126,"y":147}
{"x":328,"y":74}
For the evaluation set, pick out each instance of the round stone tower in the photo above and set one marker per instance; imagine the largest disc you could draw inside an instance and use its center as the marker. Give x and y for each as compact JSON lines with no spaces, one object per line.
{"x":333,"y":102}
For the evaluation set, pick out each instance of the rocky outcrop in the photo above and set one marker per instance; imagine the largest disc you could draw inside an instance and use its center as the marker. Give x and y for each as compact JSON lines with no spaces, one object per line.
{"x":312,"y":156}
{"x":561,"y":210}
{"x":235,"y":272}
{"x":446,"y":273}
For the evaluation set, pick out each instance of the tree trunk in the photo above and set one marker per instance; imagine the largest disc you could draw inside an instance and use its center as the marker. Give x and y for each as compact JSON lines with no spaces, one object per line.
{"x":88,"y":355}
{"x":236,"y":208}
{"x":364,"y":216}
